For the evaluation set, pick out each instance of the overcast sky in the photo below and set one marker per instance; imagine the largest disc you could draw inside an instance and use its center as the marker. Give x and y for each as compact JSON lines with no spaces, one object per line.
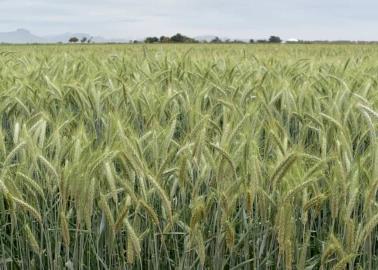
{"x":303,"y":19}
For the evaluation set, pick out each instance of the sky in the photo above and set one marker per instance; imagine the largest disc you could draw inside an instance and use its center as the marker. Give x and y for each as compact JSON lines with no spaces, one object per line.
{"x":302,"y":19}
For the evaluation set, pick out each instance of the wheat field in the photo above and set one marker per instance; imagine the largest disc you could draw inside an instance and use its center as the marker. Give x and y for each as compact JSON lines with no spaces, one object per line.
{"x":189,"y":157}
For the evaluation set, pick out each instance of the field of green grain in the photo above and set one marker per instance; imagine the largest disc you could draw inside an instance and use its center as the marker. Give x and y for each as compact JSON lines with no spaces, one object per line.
{"x":189,"y":157}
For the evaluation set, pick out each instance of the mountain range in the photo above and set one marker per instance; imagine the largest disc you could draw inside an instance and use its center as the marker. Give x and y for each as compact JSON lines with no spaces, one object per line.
{"x":24,"y":36}
{"x":21,"y":36}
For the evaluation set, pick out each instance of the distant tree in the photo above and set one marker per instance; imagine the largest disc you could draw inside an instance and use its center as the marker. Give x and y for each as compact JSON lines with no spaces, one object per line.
{"x":216,"y":40}
{"x":238,"y":41}
{"x":262,"y":41}
{"x":178,"y":38}
{"x":251,"y":40}
{"x":151,"y":40}
{"x":275,"y":39}
{"x":73,"y":40}
{"x":90,"y":40}
{"x":84,"y":39}
{"x":164,"y":39}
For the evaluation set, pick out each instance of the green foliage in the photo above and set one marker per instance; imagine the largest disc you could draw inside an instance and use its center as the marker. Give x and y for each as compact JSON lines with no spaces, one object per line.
{"x":188,"y":157}
{"x":275,"y":39}
{"x":151,"y":40}
{"x":73,"y":40}
{"x":178,"y":38}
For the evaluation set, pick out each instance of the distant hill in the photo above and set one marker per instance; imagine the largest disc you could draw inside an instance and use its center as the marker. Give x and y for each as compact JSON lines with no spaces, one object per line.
{"x":66,"y":36}
{"x":21,"y":36}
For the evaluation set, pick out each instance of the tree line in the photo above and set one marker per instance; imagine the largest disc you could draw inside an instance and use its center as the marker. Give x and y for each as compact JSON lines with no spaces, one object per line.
{"x":82,"y":40}
{"x":179,"y":38}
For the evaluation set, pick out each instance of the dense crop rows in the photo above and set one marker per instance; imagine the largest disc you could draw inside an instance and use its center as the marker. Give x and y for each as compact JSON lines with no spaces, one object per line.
{"x":236,"y":157}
